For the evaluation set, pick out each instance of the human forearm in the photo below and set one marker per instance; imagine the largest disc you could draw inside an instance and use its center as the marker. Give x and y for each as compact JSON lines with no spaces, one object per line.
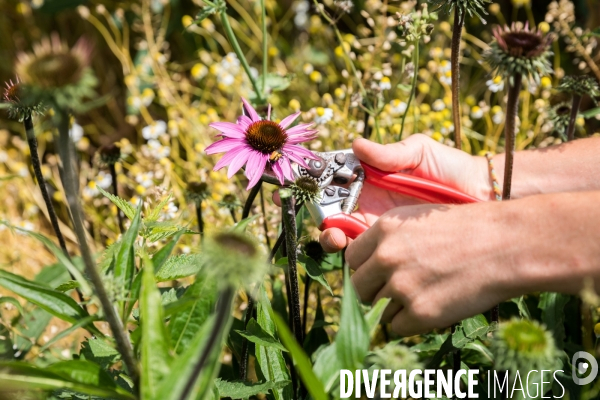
{"x":568,"y":167}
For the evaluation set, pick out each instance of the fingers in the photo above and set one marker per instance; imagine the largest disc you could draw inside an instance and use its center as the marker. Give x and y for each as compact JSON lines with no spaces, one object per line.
{"x":394,"y":307}
{"x":333,"y":240}
{"x":369,"y":280}
{"x":359,"y":251}
{"x":403,"y":155}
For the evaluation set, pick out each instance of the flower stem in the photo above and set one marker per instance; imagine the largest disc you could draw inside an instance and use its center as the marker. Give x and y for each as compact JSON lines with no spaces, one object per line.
{"x":37,"y":170}
{"x":413,"y":87}
{"x":265,"y":223}
{"x":238,"y":51}
{"x":307,"y":283}
{"x":250,"y":200}
{"x":289,"y":219}
{"x":199,"y":217}
{"x":232,"y":212}
{"x":223,"y":314}
{"x":459,"y":22}
{"x":113,"y":173}
{"x":69,"y":183}
{"x":265,"y":47}
{"x":573,"y":117}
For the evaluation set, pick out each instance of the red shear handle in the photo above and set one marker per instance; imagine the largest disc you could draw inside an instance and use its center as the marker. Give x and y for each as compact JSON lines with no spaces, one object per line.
{"x":351,"y":226}
{"x":418,"y":188}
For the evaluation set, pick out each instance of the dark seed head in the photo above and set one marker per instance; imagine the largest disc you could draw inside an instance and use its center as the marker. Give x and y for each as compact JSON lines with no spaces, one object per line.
{"x":521,"y":41}
{"x":266,"y":136}
{"x":306,"y":189}
{"x":238,"y":243}
{"x":314,"y":250}
{"x":197,"y":191}
{"x":110,"y":153}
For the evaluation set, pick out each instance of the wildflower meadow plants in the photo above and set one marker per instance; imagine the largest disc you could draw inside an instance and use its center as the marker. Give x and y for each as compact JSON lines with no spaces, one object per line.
{"x":136,"y":267}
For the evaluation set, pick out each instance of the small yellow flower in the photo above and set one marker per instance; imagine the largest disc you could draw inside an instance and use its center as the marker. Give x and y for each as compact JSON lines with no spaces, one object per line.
{"x":396,"y":129}
{"x":437,"y":136}
{"x":273,"y":51}
{"x":546,"y":82}
{"x":425,"y":108}
{"x":339,"y":93}
{"x":294,"y":105}
{"x":327,"y":99}
{"x":521,"y":3}
{"x":57,"y":196}
{"x":471,"y":100}
{"x":349,"y":38}
{"x":316,"y":76}
{"x":445,"y":26}
{"x":320,"y":111}
{"x":580,"y":121}
{"x":199,"y":147}
{"x":186,"y":21}
{"x":544,"y":27}
{"x":496,"y":109}
{"x":140,"y":190}
{"x":494,"y":8}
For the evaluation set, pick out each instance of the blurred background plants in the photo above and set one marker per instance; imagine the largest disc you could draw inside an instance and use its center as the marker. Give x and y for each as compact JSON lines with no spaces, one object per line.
{"x":158,"y":73}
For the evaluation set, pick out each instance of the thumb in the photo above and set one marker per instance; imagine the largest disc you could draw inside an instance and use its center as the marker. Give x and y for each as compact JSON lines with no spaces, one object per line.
{"x":403,"y":155}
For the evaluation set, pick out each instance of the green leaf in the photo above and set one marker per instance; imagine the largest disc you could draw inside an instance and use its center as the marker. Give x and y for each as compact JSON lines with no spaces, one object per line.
{"x":317,"y":336}
{"x":31,"y":326}
{"x":125,"y":206}
{"x":522,"y":306}
{"x":163,"y":230}
{"x":276,"y":82}
{"x":590,"y":113}
{"x":314,"y":271}
{"x":255,"y":334}
{"x":125,"y":258}
{"x":154,"y":348}
{"x":352,"y":340}
{"x":271,"y":361}
{"x":373,"y":317}
{"x":78,"y":376}
{"x":100,"y":352}
{"x":14,"y":302}
{"x":159,"y":258}
{"x":68,"y":285}
{"x":242,"y":225}
{"x":469,"y":330}
{"x":205,"y":12}
{"x":184,"y":325}
{"x":155,"y":212}
{"x":179,"y":266}
{"x":243,"y":390}
{"x":553,"y":316}
{"x":328,"y":365}
{"x":79,"y":324}
{"x":6,"y":344}
{"x":56,"y":303}
{"x":301,"y":361}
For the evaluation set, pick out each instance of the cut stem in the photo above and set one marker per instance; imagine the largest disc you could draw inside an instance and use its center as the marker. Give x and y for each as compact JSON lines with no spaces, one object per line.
{"x":573,"y":117}
{"x":110,"y":313}
{"x":459,"y":22}
{"x":113,"y":174}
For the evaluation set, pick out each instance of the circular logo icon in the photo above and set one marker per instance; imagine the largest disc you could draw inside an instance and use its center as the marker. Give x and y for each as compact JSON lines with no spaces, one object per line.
{"x":583,"y":362}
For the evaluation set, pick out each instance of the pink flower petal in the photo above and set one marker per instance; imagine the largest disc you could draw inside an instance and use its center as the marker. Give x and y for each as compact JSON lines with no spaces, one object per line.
{"x":300,"y":128}
{"x":286,"y":167}
{"x":229,"y":157}
{"x":250,"y":111}
{"x":288,"y":120}
{"x":223,"y":145}
{"x":295,"y":149}
{"x":278,"y":172}
{"x":300,"y":139}
{"x":244,"y":121}
{"x":229,"y":130}
{"x":260,"y":163}
{"x":238,"y":162}
{"x":298,"y":159}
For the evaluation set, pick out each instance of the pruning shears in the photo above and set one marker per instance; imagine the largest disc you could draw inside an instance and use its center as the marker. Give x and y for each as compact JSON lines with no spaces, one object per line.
{"x":341,"y":176}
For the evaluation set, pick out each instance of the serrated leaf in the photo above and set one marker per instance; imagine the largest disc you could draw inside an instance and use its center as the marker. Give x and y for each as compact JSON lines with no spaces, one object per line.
{"x":314,"y":271}
{"x":163,"y":230}
{"x":123,"y":205}
{"x":159,"y":258}
{"x":243,"y":390}
{"x":100,"y":352}
{"x":155,"y":212}
{"x":69,"y":285}
{"x":184,"y":325}
{"x":255,"y":334}
{"x":271,"y":361}
{"x":56,"y":303}
{"x":475,"y":327}
{"x":155,"y":357}
{"x":125,"y":259}
{"x":179,"y":266}
{"x":78,"y":376}
{"x":301,"y":361}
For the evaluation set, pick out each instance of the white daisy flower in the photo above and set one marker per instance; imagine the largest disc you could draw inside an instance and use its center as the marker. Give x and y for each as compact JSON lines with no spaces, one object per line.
{"x":76,"y":132}
{"x":145,"y":179}
{"x":397,"y":107}
{"x":155,"y":130}
{"x":157,"y":150}
{"x":323,"y":115}
{"x":438,"y":105}
{"x":495,"y":85}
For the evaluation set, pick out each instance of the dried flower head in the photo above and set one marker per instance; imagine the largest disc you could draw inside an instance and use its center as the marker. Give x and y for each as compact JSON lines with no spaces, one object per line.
{"x":234,"y":258}
{"x":110,"y":154}
{"x":306,"y":190}
{"x":471,"y":7}
{"x":559,"y":116}
{"x":197,"y":191}
{"x":524,"y":345}
{"x":519,"y":50}
{"x":230,"y":202}
{"x":314,"y":250}
{"x":57,"y":73}
{"x":17,"y":107}
{"x":580,"y":85}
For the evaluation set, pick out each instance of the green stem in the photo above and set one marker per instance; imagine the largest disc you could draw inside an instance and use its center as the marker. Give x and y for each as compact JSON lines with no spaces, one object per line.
{"x":265,"y":47}
{"x":573,"y":117}
{"x":455,"y":69}
{"x":413,"y":86}
{"x":69,"y":179}
{"x":113,"y":173}
{"x":238,"y":51}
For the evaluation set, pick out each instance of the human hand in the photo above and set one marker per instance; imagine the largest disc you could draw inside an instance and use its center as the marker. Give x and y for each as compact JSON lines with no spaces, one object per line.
{"x":417,"y":155}
{"x":436,"y":269}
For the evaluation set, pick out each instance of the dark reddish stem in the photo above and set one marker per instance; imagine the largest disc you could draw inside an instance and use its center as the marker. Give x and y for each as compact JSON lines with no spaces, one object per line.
{"x":459,"y":22}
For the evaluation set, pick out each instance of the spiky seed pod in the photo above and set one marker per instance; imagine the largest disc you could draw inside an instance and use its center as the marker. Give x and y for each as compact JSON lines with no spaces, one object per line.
{"x":471,"y":7}
{"x":57,"y":75}
{"x":17,"y":107}
{"x":234,"y":258}
{"x":110,"y":154}
{"x":197,"y":191}
{"x":558,"y":115}
{"x":396,"y":357}
{"x":580,"y":85}
{"x":524,"y":345}
{"x":314,"y":250}
{"x":519,"y":51}
{"x":306,"y":190}
{"x":230,"y":202}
